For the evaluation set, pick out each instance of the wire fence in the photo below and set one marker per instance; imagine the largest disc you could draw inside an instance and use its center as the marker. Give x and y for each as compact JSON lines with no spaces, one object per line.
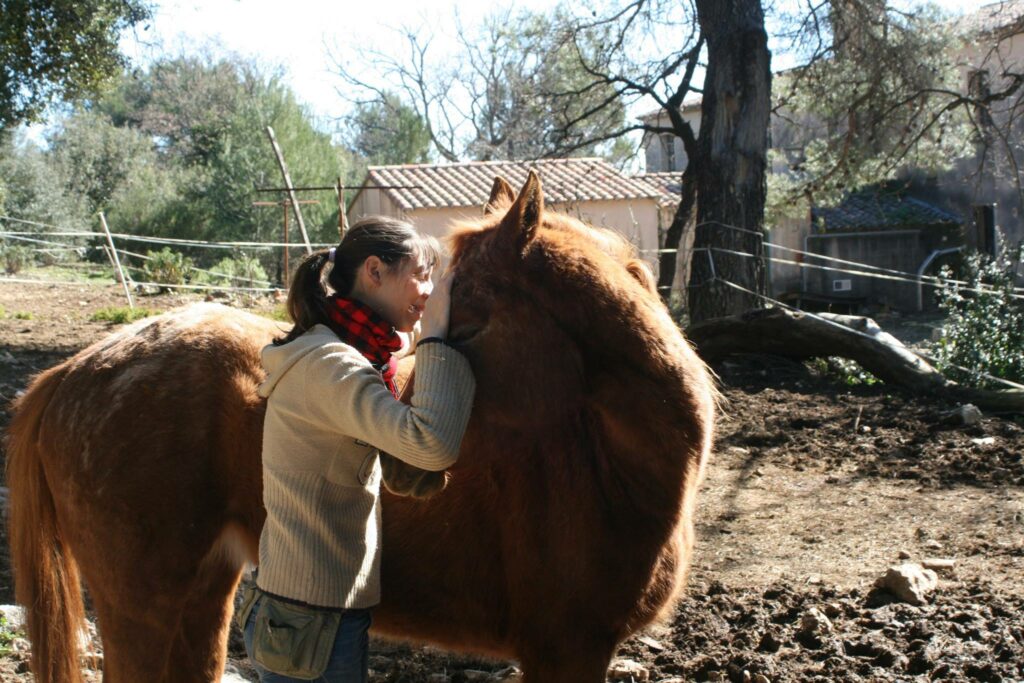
{"x":46,"y":243}
{"x":54,"y":242}
{"x":845,"y":266}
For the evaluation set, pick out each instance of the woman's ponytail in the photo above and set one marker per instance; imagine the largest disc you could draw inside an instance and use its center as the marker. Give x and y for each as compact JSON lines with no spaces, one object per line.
{"x":305,"y":303}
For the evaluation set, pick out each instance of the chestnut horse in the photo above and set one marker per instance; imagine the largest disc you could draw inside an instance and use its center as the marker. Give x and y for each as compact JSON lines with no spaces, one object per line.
{"x":566,"y":524}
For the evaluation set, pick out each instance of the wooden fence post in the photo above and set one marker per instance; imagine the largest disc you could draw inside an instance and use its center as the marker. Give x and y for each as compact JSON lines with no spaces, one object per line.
{"x":117,"y":262}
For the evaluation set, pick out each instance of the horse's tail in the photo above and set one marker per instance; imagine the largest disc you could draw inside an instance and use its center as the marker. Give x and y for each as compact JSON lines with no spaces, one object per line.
{"x":46,"y":575}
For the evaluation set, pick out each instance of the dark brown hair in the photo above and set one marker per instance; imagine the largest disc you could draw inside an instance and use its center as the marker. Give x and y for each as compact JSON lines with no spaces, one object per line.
{"x":392,"y":241}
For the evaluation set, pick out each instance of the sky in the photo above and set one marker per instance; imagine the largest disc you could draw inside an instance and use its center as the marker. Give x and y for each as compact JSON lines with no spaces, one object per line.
{"x":302,"y":35}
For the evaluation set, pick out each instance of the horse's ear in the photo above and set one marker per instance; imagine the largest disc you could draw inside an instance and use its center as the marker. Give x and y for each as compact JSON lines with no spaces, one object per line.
{"x":502,"y":194}
{"x":520,"y":224}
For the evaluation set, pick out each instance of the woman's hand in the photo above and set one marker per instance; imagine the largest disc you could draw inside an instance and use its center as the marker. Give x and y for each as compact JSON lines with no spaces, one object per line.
{"x":438,"y":309}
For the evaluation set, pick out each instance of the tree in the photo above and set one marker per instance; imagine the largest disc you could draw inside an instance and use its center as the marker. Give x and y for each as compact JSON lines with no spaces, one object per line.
{"x":97,"y":158}
{"x":877,"y":93}
{"x":732,"y":161}
{"x":723,"y":182}
{"x":207,"y":117}
{"x":387,"y":131}
{"x":35,"y":188}
{"x":491,"y":104}
{"x":59,"y":50}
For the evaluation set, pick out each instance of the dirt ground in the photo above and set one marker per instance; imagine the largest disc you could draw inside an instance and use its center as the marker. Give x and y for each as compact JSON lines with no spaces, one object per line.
{"x":816,"y":488}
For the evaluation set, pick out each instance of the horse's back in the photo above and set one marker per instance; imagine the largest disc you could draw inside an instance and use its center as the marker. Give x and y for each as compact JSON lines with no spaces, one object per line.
{"x":151,"y":432}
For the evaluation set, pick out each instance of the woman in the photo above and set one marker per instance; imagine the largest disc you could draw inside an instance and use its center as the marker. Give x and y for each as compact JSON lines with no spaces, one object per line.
{"x":331,"y":404}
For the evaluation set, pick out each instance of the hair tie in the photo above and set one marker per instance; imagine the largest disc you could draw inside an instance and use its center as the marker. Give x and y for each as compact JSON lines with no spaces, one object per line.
{"x":330,"y":255}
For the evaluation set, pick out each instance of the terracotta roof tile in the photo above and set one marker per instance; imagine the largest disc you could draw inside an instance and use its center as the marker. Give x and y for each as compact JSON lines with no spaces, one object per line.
{"x":669,"y":184}
{"x":469,"y":183}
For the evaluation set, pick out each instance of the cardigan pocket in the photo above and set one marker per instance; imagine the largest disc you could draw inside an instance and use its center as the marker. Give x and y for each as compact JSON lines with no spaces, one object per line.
{"x":352,"y":463}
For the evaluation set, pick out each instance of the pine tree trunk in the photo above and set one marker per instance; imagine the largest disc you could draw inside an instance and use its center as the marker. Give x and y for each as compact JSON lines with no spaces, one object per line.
{"x":732,"y":161}
{"x":670,"y":254}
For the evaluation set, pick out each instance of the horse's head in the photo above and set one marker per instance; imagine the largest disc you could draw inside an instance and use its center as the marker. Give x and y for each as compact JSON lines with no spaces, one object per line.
{"x":553,"y":313}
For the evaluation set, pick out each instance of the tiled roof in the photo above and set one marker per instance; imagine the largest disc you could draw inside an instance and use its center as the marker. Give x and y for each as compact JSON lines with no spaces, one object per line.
{"x":1005,"y":17}
{"x":669,"y":184}
{"x":879,"y":211}
{"x":691,"y":101}
{"x":469,"y":183}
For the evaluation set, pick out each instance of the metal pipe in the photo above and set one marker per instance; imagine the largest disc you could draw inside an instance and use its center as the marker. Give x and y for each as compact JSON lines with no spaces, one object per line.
{"x":924,"y":266}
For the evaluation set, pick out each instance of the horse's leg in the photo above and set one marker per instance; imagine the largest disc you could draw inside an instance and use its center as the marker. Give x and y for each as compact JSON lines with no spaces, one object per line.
{"x":133,"y":650}
{"x":200,"y":642}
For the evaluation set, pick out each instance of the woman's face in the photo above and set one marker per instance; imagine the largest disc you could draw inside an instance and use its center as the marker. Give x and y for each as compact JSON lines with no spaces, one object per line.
{"x":402,"y":293}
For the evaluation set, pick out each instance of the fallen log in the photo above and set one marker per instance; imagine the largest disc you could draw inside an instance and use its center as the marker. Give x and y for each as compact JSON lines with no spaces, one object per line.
{"x":798,"y":335}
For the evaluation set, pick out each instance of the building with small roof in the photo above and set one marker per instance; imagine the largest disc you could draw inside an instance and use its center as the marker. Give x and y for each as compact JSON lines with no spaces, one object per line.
{"x":892,"y":232}
{"x":433,"y":196}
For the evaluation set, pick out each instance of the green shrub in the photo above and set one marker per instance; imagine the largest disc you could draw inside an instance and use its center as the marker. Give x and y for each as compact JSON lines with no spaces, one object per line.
{"x":23,"y":315}
{"x":7,"y":636}
{"x":244,"y":271}
{"x":166,"y":267}
{"x":984,"y":329}
{"x":15,"y":257}
{"x":119,"y":315}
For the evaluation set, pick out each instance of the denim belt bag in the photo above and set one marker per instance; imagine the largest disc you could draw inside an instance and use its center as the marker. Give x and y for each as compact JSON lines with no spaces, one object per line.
{"x":289,"y":639}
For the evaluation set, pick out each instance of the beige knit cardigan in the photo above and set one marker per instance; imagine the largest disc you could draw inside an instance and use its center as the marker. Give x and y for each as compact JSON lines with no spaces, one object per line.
{"x":328,"y":413}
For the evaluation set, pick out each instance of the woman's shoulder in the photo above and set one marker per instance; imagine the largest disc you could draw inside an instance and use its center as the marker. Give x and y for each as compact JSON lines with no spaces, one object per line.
{"x":325,"y":343}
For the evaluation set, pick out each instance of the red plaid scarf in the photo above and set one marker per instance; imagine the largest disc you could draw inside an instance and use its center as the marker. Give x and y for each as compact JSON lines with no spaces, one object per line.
{"x":359,"y":326}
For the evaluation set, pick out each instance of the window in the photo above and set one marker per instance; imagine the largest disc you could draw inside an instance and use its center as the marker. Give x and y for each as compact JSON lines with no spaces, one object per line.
{"x":668,"y":147}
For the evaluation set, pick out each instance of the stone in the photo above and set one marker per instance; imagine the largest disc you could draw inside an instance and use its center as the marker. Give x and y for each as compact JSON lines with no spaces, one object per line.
{"x":984,"y":441}
{"x":628,"y":670}
{"x":968,"y":414}
{"x":760,"y":678}
{"x":905,"y":555}
{"x":510,"y":674}
{"x":14,"y":615}
{"x":938,"y":564}
{"x":815,"y":621}
{"x":651,"y":643}
{"x":231,"y":677}
{"x":909,"y":582}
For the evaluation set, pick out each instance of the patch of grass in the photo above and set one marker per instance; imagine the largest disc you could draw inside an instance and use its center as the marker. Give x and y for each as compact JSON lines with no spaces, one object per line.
{"x":118,"y":315}
{"x":279,"y":313}
{"x":23,"y":315}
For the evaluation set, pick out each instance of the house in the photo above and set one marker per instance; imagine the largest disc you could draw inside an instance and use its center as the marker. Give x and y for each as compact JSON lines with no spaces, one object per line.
{"x":433,"y":196}
{"x":664,"y":152}
{"x":991,"y":56}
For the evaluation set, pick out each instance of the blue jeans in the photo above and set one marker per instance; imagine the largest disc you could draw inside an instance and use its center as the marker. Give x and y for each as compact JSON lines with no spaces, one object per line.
{"x":348,"y":662}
